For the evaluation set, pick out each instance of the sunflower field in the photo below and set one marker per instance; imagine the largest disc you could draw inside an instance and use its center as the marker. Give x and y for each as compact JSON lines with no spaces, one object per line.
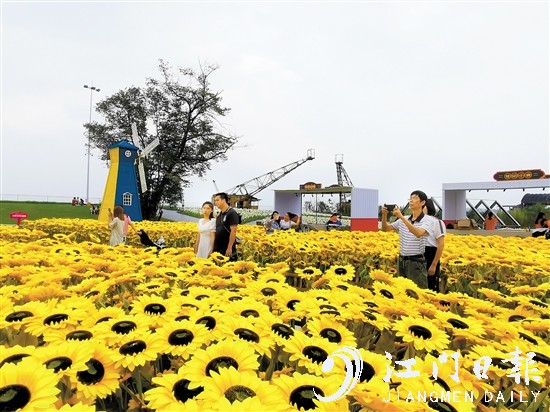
{"x":89,"y":327}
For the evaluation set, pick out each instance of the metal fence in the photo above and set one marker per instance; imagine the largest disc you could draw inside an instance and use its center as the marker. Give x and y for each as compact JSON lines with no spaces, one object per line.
{"x":42,"y":198}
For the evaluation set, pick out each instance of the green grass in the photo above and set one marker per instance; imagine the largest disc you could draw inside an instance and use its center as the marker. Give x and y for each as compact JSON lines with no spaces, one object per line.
{"x":39,"y":210}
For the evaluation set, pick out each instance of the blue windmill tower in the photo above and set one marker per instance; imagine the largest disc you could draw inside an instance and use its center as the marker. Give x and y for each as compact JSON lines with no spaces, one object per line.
{"x":122,"y":183}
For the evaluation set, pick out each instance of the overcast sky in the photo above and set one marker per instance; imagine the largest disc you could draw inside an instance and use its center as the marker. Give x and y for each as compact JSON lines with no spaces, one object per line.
{"x":413,"y":94}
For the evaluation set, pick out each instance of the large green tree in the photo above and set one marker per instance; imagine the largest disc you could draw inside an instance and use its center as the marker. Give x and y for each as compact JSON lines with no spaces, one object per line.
{"x":181,"y":110}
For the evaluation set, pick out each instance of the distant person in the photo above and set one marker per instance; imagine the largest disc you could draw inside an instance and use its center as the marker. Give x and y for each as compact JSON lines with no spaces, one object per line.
{"x":206,"y":231}
{"x":81,"y":202}
{"x":490,"y":221}
{"x":74,"y":201}
{"x":435,"y":243}
{"x":274,"y":222}
{"x":226,"y":227}
{"x":334,"y":221}
{"x":288,"y":221}
{"x":117,"y":226}
{"x":413,"y":232}
{"x":127,"y":224}
{"x":539,"y":220}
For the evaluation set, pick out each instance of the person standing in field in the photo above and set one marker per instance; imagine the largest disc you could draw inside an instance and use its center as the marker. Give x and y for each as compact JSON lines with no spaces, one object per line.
{"x":206,"y":231}
{"x":117,"y":226}
{"x":226,"y":227}
{"x":435,"y":243}
{"x":413,"y":232}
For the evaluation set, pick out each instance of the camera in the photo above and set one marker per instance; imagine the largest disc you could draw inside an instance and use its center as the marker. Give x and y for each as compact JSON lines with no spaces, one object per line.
{"x":390,"y":207}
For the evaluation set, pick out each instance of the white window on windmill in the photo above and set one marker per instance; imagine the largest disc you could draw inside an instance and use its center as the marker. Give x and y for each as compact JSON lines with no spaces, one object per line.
{"x":127,"y":199}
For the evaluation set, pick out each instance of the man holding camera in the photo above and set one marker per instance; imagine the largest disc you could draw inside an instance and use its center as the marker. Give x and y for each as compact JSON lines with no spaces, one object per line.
{"x":413,"y":232}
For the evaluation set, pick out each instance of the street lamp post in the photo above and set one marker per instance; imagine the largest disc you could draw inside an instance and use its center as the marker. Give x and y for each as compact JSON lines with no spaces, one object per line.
{"x":92,"y":89}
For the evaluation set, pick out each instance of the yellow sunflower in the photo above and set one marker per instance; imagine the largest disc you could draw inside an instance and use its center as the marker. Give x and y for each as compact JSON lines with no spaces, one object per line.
{"x":299,"y":392}
{"x":231,"y":390}
{"x":421,"y":333}
{"x":182,"y":338}
{"x":65,"y":358}
{"x":230,"y":352}
{"x":136,"y":349}
{"x":27,"y":386}
{"x":329,"y":329}
{"x":100,"y":379}
{"x":15,"y":353}
{"x":256,"y":335}
{"x":309,"y":352}
{"x":174,"y":392}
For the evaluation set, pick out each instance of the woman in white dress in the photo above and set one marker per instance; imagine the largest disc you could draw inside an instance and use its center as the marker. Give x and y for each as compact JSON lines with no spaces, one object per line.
{"x":207,"y":229}
{"x":117,"y":226}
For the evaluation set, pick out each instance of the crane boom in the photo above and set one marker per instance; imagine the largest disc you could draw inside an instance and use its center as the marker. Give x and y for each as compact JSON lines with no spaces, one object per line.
{"x":257,"y":184}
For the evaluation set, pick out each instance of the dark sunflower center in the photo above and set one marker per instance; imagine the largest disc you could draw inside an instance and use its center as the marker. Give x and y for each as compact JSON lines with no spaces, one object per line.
{"x":330,"y":307}
{"x":180,"y":337}
{"x":411,"y":293}
{"x":250,"y":312}
{"x":315,"y":353}
{"x":369,"y":315}
{"x":207,"y":321}
{"x":343,"y":287}
{"x":201,"y":297}
{"x":302,"y":396}
{"x":268,"y":291}
{"x":515,"y":318}
{"x":281,"y":329}
{"x":184,"y":293}
{"x":340,"y":271}
{"x":93,"y":374}
{"x":442,"y":383}
{"x":239,"y":393}
{"x":124,"y":327}
{"x":441,"y":406}
{"x":18,"y":316}
{"x":155,"y":308}
{"x":501,"y":364}
{"x":92,"y":293}
{"x":386,"y":293}
{"x":15,"y":359}
{"x":322,"y":298}
{"x":292,"y":303}
{"x":247,"y":335}
{"x":182,"y":392}
{"x":457,"y":323}
{"x":133,"y":347}
{"x":59,"y":364}
{"x":367,"y":373}
{"x":370,"y":304}
{"x":150,"y":287}
{"x":235,"y":298}
{"x":221,"y":362}
{"x":528,"y":338}
{"x":189,"y":305}
{"x":58,"y":317}
{"x":444,"y":303}
{"x":79,"y":335}
{"x":329,"y":312}
{"x":332,"y":335}
{"x":14,"y":397}
{"x":420,"y":332}
{"x":539,"y":357}
{"x":171,"y":274}
{"x":104,"y":319}
{"x":182,"y":317}
{"x":309,"y":271}
{"x":538,"y":303}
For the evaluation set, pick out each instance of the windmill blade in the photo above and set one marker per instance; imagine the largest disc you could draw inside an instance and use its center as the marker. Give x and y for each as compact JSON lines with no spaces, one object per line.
{"x":142,"y":181}
{"x":150,"y":147}
{"x":135,"y":136}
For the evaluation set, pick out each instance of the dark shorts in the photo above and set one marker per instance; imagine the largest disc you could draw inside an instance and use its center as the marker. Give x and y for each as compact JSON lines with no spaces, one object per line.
{"x":414,"y":269}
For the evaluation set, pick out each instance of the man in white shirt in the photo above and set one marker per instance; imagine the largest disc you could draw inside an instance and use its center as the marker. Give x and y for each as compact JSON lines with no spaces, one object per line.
{"x":413,"y":232}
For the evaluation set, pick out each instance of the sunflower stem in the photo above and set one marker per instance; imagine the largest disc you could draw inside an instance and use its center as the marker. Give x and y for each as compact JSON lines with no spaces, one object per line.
{"x":271,"y":368}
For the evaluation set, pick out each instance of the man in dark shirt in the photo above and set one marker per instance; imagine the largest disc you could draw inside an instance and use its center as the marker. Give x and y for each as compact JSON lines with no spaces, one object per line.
{"x":226,"y":227}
